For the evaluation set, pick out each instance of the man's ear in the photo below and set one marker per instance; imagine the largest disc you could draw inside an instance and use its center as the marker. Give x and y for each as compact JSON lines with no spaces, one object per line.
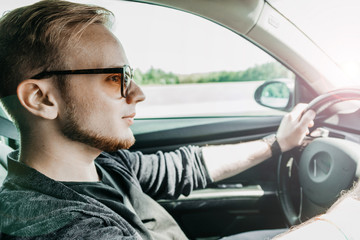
{"x":37,"y":97}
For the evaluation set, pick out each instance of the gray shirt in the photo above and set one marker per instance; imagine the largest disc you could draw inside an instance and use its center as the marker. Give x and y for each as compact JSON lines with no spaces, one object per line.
{"x":35,"y":206}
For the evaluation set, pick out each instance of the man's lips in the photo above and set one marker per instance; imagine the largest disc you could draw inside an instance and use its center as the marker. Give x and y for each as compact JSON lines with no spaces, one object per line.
{"x":129,"y":118}
{"x":132,"y":115}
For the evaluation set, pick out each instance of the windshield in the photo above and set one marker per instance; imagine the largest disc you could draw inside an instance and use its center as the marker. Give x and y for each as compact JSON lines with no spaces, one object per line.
{"x":333,"y":25}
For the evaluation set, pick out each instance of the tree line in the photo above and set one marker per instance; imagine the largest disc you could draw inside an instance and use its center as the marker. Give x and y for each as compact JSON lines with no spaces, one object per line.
{"x":261,"y":72}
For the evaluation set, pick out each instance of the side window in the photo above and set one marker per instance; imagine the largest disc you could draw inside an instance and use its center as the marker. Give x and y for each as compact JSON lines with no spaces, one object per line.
{"x":188,"y":66}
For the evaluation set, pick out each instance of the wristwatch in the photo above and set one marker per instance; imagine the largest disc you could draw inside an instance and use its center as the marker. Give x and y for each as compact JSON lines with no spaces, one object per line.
{"x":271,"y":140}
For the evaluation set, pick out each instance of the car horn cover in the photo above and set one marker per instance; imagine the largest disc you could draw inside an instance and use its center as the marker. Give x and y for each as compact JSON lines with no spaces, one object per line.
{"x":327,"y":166}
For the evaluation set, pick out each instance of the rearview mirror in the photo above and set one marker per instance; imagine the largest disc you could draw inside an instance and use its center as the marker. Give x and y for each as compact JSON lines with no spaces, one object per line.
{"x":276,"y":94}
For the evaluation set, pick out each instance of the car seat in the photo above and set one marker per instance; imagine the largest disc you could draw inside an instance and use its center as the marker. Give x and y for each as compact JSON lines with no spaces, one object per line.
{"x":4,"y":151}
{"x":7,"y":131}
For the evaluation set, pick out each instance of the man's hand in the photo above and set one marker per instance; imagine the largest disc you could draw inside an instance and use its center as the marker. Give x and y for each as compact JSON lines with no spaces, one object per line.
{"x":293,"y":130}
{"x":224,"y":161}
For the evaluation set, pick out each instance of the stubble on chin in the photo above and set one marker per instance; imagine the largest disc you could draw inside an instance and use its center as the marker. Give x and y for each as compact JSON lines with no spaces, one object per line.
{"x":71,"y":128}
{"x":97,"y":141}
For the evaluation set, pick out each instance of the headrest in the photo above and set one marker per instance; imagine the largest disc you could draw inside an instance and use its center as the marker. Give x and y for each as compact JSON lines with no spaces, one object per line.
{"x":4,"y":151}
{"x":8,"y":129}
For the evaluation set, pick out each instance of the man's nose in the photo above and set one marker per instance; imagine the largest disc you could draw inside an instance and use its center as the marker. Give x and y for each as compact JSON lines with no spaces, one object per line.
{"x":135,"y":94}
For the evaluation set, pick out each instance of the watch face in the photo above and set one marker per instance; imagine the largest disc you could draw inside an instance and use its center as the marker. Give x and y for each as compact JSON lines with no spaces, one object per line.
{"x":273,"y":143}
{"x":270,"y":139}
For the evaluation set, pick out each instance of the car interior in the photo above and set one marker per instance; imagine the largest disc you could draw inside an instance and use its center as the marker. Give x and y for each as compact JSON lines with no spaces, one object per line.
{"x":282,"y":191}
{"x":8,"y":133}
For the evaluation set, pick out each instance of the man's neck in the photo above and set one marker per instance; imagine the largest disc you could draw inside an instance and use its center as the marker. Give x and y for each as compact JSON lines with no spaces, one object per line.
{"x":61,"y":159}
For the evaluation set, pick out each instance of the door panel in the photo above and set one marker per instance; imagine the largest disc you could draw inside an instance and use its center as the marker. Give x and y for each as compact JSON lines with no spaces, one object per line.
{"x":169,"y":134}
{"x":244,"y":202}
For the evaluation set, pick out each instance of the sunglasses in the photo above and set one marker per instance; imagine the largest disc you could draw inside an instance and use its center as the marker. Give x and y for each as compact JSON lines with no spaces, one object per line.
{"x":125,"y":73}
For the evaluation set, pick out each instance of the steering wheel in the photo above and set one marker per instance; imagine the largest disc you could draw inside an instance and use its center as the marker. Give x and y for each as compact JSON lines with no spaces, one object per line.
{"x":311,"y":177}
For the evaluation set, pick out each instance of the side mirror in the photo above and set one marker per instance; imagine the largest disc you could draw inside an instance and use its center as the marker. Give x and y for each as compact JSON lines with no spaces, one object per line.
{"x":276,"y":94}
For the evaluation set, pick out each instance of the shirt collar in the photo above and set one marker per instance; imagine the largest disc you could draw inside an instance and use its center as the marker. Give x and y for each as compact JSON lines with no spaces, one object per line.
{"x":25,"y":177}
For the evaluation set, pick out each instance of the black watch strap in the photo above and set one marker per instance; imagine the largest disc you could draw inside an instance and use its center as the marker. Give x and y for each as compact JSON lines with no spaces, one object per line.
{"x":271,"y":140}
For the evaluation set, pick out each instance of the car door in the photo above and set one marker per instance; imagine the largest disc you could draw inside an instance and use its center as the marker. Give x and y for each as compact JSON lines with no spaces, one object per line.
{"x":199,"y":80}
{"x":245,"y":202}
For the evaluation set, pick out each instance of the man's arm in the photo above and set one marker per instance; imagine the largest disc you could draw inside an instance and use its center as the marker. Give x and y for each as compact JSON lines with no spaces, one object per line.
{"x":228,"y":160}
{"x":340,"y":221}
{"x":167,"y":175}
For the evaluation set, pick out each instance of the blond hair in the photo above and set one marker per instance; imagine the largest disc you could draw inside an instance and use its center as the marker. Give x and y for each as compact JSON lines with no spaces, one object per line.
{"x":36,"y":38}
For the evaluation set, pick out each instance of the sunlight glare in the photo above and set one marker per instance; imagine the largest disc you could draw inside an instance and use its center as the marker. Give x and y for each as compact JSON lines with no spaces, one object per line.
{"x":352,"y":69}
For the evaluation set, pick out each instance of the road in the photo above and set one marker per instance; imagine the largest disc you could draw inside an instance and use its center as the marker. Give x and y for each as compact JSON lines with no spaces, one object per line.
{"x":207,"y":99}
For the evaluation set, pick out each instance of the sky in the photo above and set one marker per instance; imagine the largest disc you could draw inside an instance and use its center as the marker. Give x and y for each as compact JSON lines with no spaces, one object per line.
{"x":202,"y":46}
{"x":198,"y":44}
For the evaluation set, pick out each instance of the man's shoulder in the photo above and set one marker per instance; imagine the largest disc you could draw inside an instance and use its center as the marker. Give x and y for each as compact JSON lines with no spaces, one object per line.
{"x":24,"y":212}
{"x":37,"y":205}
{"x":14,"y":195}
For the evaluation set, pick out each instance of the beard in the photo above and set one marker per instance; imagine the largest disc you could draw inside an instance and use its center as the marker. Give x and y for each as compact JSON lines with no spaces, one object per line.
{"x":71,"y":128}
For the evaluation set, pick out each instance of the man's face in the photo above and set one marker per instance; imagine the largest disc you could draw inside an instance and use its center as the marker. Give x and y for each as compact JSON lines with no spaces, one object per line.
{"x":93,"y":111}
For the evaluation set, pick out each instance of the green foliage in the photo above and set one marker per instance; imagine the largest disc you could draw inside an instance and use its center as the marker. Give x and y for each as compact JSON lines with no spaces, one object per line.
{"x":262,"y":72}
{"x":155,"y":76}
{"x":276,"y":90}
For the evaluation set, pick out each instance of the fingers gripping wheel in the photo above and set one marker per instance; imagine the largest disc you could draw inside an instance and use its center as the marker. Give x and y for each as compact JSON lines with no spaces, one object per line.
{"x":311,"y":180}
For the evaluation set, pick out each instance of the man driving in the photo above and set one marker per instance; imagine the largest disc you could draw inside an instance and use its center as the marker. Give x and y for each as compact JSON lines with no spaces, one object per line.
{"x":66,"y":82}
